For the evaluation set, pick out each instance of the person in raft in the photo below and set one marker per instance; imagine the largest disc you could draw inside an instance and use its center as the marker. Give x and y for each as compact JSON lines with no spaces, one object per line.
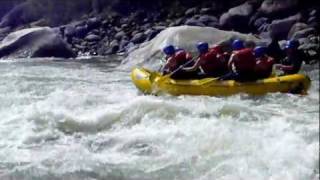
{"x":264,"y":63}
{"x":293,"y":62}
{"x":175,"y":58}
{"x":210,"y":62}
{"x":241,"y":64}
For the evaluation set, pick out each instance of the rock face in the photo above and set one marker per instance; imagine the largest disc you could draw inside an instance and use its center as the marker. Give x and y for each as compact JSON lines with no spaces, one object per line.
{"x":34,"y":42}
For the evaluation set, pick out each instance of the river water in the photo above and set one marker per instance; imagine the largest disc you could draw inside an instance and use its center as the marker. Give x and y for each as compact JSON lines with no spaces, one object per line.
{"x":84,"y":119}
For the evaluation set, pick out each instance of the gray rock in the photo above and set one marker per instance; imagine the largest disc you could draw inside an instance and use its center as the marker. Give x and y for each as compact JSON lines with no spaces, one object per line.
{"x":159,"y":28}
{"x":120,"y":35}
{"x":81,"y":31}
{"x":95,"y":31}
{"x":206,"y":19}
{"x":304,"y":33}
{"x":280,"y":28}
{"x":93,"y":23}
{"x":138,"y":38}
{"x":113,"y":47}
{"x":237,"y":18}
{"x":214,"y":25}
{"x":92,"y":38}
{"x":5,"y":30}
{"x":275,"y":8}
{"x":194,"y":22}
{"x":35,"y":42}
{"x":295,"y":28}
{"x":190,"y":12}
{"x":151,"y":33}
{"x":261,"y":23}
{"x":123,"y":45}
{"x":70,"y":30}
{"x":179,"y":21}
{"x":205,"y":10}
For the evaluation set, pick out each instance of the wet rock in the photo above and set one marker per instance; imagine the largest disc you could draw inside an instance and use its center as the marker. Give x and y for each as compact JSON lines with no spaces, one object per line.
{"x":280,"y":28}
{"x":93,"y":23}
{"x":123,"y":45}
{"x":190,"y":12}
{"x":113,"y":47}
{"x":295,"y":28}
{"x":237,"y":18}
{"x":92,"y":38}
{"x":214,"y":25}
{"x":81,"y":31}
{"x":194,"y":22}
{"x":205,"y":11}
{"x":120,"y":35}
{"x":283,"y":8}
{"x":69,"y":31}
{"x":261,"y":24}
{"x":35,"y":42}
{"x":304,"y":33}
{"x":206,"y":19}
{"x":5,"y":31}
{"x":159,"y":28}
{"x":138,"y":38}
{"x":151,"y":33}
{"x":179,"y":21}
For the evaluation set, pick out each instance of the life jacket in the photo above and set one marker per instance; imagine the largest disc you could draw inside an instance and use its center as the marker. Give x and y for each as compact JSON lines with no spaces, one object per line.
{"x":210,"y":64}
{"x":263,"y":67}
{"x":243,"y":61}
{"x":178,"y":59}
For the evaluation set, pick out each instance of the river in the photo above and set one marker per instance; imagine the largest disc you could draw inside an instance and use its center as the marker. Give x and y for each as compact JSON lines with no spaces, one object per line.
{"x":84,"y":119}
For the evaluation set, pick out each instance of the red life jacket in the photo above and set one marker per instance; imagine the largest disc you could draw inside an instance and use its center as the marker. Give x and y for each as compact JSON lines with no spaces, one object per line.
{"x":243,"y":62}
{"x":178,"y":59}
{"x":263,"y":68}
{"x":217,"y":49}
{"x":210,"y":63}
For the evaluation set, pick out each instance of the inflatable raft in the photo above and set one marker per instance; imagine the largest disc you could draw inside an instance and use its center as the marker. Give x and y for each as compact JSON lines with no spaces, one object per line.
{"x":154,"y":83}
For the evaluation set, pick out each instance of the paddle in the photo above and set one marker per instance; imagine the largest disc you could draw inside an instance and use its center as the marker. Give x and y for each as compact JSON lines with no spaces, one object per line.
{"x":180,"y":67}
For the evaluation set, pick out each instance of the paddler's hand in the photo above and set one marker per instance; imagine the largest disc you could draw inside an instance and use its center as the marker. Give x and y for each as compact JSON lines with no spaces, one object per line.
{"x":278,"y":66}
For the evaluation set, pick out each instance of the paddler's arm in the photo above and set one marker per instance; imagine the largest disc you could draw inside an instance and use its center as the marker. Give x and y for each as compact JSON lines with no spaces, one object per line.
{"x":194,"y":67}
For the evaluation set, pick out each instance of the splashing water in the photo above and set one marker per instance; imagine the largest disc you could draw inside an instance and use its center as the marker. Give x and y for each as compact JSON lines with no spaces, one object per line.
{"x":80,"y":120}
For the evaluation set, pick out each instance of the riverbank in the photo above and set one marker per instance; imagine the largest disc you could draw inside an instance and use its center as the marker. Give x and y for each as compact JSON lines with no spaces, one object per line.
{"x":100,"y":28}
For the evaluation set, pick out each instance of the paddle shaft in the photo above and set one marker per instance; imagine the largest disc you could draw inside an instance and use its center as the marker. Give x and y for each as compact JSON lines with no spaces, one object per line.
{"x":181,"y":67}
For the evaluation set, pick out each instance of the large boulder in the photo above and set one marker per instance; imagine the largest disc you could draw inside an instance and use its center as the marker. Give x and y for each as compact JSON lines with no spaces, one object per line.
{"x":278,"y":8}
{"x":237,"y":18}
{"x":186,"y":37}
{"x":280,"y":28}
{"x":35,"y":42}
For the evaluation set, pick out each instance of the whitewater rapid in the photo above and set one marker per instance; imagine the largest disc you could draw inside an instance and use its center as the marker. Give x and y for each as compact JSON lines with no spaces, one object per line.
{"x":84,"y":119}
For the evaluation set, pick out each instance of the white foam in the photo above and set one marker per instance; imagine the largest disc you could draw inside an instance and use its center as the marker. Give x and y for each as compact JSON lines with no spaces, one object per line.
{"x":81,"y":119}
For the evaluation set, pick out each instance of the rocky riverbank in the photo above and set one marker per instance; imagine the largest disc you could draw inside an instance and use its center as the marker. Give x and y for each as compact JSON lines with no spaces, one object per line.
{"x":98,"y":27}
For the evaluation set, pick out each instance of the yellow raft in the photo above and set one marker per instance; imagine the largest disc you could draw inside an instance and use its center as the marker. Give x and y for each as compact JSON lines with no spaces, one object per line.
{"x":154,"y":83}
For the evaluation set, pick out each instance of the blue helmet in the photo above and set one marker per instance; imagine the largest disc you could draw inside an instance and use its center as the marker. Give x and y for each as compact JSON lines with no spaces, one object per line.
{"x":259,"y":51}
{"x":292,"y":44}
{"x":169,"y":50}
{"x":237,"y":44}
{"x":202,"y":47}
